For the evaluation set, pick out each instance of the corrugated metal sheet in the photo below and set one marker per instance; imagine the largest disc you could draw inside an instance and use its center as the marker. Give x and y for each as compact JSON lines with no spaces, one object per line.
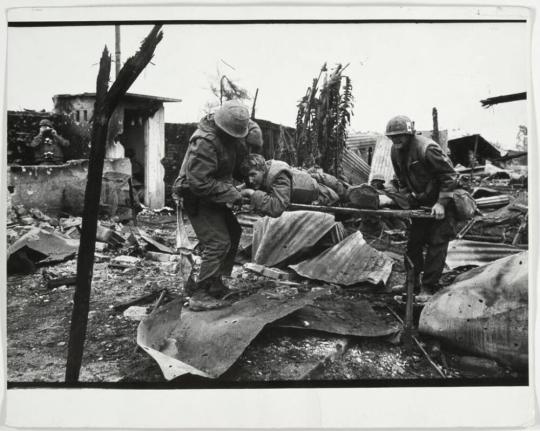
{"x":355,"y":141}
{"x":381,"y":163}
{"x":338,"y":315}
{"x":355,"y":169}
{"x":485,"y":311}
{"x":277,"y":239}
{"x":349,"y":262}
{"x":477,"y":253}
{"x":182,"y":341}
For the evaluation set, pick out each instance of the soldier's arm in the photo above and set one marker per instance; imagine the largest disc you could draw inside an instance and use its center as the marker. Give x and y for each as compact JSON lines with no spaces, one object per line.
{"x":441,"y":168}
{"x":201,"y":168}
{"x":276,"y":200}
{"x":61,"y":141}
{"x":35,"y":142}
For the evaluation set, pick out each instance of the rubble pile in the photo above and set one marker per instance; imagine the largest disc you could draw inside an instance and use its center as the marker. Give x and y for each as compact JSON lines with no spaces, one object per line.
{"x":140,"y":272}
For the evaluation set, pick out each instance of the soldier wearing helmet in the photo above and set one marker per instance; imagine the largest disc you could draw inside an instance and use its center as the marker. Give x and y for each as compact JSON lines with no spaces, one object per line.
{"x":47,"y":145}
{"x":426,"y":177}
{"x":205,"y":184}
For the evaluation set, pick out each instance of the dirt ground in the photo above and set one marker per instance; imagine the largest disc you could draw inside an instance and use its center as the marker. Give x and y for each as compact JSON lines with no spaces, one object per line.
{"x":38,"y":325}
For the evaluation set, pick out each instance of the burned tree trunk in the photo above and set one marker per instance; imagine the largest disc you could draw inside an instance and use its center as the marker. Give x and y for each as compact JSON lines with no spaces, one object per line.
{"x":106,"y":102}
{"x":435,"y":133}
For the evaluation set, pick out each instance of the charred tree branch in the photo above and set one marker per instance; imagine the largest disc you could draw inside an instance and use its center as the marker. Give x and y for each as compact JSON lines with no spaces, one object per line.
{"x":106,"y":102}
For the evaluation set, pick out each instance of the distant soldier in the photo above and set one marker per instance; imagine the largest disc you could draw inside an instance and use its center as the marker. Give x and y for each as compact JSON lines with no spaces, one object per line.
{"x":48,"y":145}
{"x":273,"y":185}
{"x":426,"y":177}
{"x":205,"y":184}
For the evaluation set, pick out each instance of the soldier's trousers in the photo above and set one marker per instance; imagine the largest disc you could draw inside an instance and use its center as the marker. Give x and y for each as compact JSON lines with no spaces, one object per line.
{"x":434,"y":236}
{"x":218,"y":233}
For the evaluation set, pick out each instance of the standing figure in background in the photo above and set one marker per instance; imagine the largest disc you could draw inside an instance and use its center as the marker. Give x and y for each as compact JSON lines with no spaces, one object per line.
{"x":205,"y":184}
{"x":426,"y":177}
{"x":47,"y":145}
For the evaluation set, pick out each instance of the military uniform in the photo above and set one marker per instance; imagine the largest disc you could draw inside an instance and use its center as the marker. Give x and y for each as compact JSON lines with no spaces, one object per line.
{"x":206,"y":184}
{"x":426,"y":175}
{"x":48,"y":149}
{"x":283,"y":185}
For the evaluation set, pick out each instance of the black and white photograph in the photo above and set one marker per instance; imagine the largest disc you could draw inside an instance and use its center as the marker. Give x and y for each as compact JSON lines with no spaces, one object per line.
{"x":219,"y":203}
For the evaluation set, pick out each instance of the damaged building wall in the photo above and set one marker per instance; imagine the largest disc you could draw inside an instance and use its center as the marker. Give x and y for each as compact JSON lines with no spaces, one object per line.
{"x":58,"y":188}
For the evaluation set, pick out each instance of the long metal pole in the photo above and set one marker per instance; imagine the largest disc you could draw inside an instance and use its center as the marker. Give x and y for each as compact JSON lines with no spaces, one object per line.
{"x":117,"y":58}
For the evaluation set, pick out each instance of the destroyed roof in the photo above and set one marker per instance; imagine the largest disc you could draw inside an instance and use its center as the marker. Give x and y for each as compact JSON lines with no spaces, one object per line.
{"x":355,"y":169}
{"x":460,"y":147}
{"x":127,"y":97}
{"x":486,"y":103}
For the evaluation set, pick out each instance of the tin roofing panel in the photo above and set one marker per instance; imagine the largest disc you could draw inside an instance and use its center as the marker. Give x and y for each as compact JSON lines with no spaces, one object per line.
{"x":476,"y":253}
{"x":277,"y":239}
{"x":355,"y":169}
{"x":349,"y":262}
{"x":381,"y":164}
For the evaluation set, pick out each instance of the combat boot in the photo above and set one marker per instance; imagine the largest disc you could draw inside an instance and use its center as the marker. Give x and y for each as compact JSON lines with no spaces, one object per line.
{"x":201,"y":300}
{"x":190,"y":286}
{"x":217,"y":288}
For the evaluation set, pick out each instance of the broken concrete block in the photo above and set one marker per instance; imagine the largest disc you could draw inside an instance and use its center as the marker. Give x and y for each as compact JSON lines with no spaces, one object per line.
{"x":27,"y":220}
{"x":45,"y":247}
{"x":135,"y":312}
{"x":161,"y":257}
{"x":274,"y":273}
{"x":125,"y":261}
{"x":66,"y":223}
{"x":109,"y":236}
{"x":101,"y":246}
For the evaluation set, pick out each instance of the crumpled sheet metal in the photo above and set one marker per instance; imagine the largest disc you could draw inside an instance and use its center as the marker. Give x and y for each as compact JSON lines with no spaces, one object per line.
{"x":340,"y":316}
{"x":485,"y":311}
{"x":208,"y":343}
{"x":349,"y":262}
{"x":476,"y":253}
{"x":277,"y":239}
{"x":50,"y":246}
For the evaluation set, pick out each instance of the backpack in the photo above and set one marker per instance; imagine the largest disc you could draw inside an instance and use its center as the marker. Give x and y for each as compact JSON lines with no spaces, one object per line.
{"x":465,"y":205}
